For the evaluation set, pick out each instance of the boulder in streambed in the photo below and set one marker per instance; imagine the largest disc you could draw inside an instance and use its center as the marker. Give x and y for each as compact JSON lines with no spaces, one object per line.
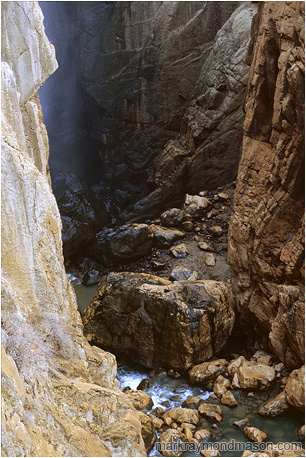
{"x":275,"y":406}
{"x":182,"y":415}
{"x":210,"y":411}
{"x":165,"y":237}
{"x":140,"y":399}
{"x":172,"y":217}
{"x":158,"y":323}
{"x":147,"y":431}
{"x":128,"y":243}
{"x":206,"y":372}
{"x":169,"y":442}
{"x":295,"y":388}
{"x":254,"y":434}
{"x":253,"y":376}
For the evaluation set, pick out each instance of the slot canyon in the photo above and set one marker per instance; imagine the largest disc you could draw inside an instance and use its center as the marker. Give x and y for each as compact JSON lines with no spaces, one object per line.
{"x":153,"y":228}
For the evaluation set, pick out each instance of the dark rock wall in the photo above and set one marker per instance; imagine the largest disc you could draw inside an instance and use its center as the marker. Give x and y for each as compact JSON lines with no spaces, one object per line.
{"x":266,"y":234}
{"x":136,"y":76}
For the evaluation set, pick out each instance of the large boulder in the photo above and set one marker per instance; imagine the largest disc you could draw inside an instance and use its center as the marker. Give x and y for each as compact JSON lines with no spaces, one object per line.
{"x":295,"y":388}
{"x":253,"y":376}
{"x":128,"y":243}
{"x":155,"y":322}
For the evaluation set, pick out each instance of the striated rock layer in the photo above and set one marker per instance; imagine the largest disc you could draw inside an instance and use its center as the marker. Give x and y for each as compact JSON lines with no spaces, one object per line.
{"x":60,"y":396}
{"x":266,"y":234}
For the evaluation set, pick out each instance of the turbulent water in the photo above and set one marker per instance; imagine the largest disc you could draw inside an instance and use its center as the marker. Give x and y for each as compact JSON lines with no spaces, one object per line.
{"x":168,"y":392}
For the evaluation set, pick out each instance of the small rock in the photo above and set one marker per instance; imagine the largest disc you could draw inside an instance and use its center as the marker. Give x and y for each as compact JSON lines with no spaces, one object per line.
{"x":92,"y":277}
{"x":158,"y":411}
{"x":172,"y":217}
{"x":216,"y":230}
{"x":196,"y":205}
{"x":189,"y":426}
{"x":234,"y":365}
{"x":210,"y":452}
{"x":254,"y":376}
{"x":210,"y":259}
{"x":147,"y":431}
{"x":157,"y":422}
{"x":175,"y":398}
{"x":191,"y":400}
{"x":210,"y":411}
{"x":275,"y":407}
{"x":202,"y":434}
{"x":182,"y":273}
{"x":165,"y":237}
{"x":279,"y":367}
{"x":254,"y":434}
{"x":203,"y":193}
{"x":187,"y":226}
{"x":207,"y":371}
{"x":179,"y":251}
{"x":250,"y":394}
{"x":171,"y":436}
{"x":220,"y":386}
{"x":205,"y":247}
{"x":228,"y":399}
{"x":223,"y":196}
{"x":263,"y":357}
{"x":188,"y":434}
{"x":145,"y":384}
{"x":166,"y":404}
{"x":242,"y":423}
{"x":183,"y":415}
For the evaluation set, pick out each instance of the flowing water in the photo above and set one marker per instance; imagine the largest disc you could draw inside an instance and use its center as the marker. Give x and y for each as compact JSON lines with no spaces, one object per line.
{"x":168,"y":392}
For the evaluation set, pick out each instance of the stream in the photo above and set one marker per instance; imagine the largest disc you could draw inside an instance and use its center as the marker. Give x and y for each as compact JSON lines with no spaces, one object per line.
{"x":168,"y":392}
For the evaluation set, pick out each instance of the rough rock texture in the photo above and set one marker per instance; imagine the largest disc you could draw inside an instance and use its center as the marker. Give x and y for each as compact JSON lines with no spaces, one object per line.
{"x":266,"y":248}
{"x":161,"y":96}
{"x":59,"y":394}
{"x":155,"y":322}
{"x":295,"y":388}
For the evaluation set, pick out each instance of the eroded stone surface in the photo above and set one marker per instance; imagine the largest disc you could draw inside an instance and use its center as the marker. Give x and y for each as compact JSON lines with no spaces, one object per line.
{"x":266,"y":248}
{"x":156,"y":322}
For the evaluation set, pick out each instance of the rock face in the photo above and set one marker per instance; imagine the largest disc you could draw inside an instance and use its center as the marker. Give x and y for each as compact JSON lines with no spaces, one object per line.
{"x":53,"y":383}
{"x":155,"y":322}
{"x":161,"y":97}
{"x":266,"y":230}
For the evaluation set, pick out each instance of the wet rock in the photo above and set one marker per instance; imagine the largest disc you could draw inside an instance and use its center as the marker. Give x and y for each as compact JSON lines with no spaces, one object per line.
{"x":158,"y":411}
{"x":128,"y":243}
{"x":275,"y":407}
{"x":172,"y":217}
{"x":183,"y":273}
{"x":179,"y":251}
{"x":171,"y":436}
{"x":234,"y":365}
{"x":210,"y":411}
{"x":210,"y":259}
{"x":221,"y":385}
{"x":241,"y":423}
{"x":191,"y":400}
{"x":205,"y":246}
{"x":279,"y":368}
{"x":147,"y":431}
{"x":175,"y":398}
{"x":254,"y":434}
{"x":164,"y":237}
{"x":182,"y":415}
{"x":196,"y":206}
{"x":140,"y":399}
{"x":187,"y":226}
{"x":216,"y":230}
{"x":205,"y":372}
{"x":173,"y":374}
{"x":145,"y":384}
{"x":262,"y":357}
{"x":228,"y":399}
{"x":75,"y":236}
{"x":188,"y":434}
{"x":301,"y":433}
{"x":202,"y":435}
{"x":295,"y":388}
{"x":91,"y":278}
{"x":253,"y":376}
{"x":155,"y":322}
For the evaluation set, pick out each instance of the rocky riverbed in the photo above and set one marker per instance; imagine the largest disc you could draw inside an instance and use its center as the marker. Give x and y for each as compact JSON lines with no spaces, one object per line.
{"x":250,"y":398}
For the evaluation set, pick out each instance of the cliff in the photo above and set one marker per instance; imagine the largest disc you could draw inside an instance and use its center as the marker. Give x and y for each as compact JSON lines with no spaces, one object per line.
{"x":60,"y":396}
{"x":266,"y":234}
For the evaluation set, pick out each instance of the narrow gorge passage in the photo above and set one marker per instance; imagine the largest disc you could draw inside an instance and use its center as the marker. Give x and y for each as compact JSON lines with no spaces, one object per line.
{"x":153,"y":228}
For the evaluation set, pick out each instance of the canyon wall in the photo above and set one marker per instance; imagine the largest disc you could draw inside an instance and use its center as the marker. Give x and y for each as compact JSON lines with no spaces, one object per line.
{"x":163,"y":87}
{"x":266,"y":235}
{"x":60,"y":396}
